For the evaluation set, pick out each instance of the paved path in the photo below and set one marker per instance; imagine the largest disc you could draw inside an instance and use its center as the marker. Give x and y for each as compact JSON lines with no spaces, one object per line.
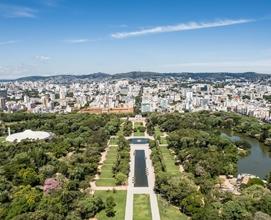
{"x":141,"y":190}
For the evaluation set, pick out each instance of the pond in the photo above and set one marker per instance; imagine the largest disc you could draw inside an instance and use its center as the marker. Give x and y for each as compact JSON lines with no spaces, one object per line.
{"x":139,"y":141}
{"x":258,"y":162}
{"x":141,"y":179}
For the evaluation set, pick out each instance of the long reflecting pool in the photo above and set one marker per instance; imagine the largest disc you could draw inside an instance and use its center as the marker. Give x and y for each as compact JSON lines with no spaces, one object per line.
{"x":258,"y":162}
{"x":141,"y":179}
{"x":139,"y":141}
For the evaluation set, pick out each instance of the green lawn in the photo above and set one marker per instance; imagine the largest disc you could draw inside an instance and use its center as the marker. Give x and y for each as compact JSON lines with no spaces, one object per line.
{"x":138,"y":124}
{"x":120,"y":200}
{"x":120,"y":132}
{"x":163,"y":140}
{"x":168,"y":211}
{"x":157,"y":131}
{"x":106,"y":176}
{"x":113,"y":141}
{"x":138,"y":133}
{"x":106,"y":182}
{"x":112,"y":153}
{"x":142,"y":209}
{"x":168,"y":159}
{"x":106,"y":173}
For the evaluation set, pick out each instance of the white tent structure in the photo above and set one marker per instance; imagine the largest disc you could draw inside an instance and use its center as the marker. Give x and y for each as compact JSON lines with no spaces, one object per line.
{"x":29,"y":134}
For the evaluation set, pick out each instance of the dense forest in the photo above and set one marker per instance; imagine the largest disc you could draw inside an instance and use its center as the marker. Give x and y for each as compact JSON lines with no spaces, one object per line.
{"x":204,"y":155}
{"x":29,"y":170}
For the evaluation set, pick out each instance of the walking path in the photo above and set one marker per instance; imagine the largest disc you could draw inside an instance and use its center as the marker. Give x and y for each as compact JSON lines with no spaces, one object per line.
{"x":131,"y":190}
{"x":141,"y":190}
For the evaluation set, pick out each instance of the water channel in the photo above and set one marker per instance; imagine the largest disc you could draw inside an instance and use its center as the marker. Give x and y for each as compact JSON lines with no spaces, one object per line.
{"x":258,"y":162}
{"x":140,"y":175}
{"x":139,"y":141}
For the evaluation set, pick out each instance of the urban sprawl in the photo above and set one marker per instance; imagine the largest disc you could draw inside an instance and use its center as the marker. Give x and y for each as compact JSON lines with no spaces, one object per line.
{"x":145,"y":95}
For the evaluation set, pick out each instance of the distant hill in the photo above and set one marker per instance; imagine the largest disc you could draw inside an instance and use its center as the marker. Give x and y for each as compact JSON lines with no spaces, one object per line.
{"x":147,"y":75}
{"x":65,"y":78}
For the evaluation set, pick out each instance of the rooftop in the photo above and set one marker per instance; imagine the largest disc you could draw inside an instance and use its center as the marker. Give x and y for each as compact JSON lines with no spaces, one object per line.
{"x":28,"y":134}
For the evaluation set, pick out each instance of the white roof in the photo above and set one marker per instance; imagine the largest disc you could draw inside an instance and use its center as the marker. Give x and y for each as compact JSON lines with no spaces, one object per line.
{"x":28,"y":134}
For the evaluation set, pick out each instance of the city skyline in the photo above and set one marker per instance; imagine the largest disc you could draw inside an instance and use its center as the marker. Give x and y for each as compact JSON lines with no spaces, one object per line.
{"x":49,"y":37}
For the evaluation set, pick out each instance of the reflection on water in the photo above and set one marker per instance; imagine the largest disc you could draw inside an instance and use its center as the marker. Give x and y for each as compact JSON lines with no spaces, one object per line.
{"x":139,"y":141}
{"x":141,"y":179}
{"x":258,"y":162}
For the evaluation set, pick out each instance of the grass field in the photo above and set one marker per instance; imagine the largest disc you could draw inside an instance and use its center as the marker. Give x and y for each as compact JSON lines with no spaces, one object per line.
{"x":142,"y":209}
{"x":120,"y":132}
{"x":163,"y":140}
{"x":138,"y":133}
{"x":157,"y":131}
{"x":168,"y":211}
{"x":168,"y":159}
{"x":113,"y":141}
{"x":106,"y":176}
{"x":106,"y":182}
{"x":137,"y":125}
{"x":120,"y":200}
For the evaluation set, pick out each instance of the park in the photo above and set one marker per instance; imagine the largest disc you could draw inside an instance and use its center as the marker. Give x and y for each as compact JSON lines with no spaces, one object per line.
{"x":141,"y":201}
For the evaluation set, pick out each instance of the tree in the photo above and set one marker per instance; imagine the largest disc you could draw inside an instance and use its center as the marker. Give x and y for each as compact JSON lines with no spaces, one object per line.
{"x":89,"y":206}
{"x":120,"y":178}
{"x":209,"y":212}
{"x":25,"y":200}
{"x":112,"y":126}
{"x":28,"y":176}
{"x":109,"y":207}
{"x":255,"y":181}
{"x":142,"y":129}
{"x":192,"y":203}
{"x":233,"y":210}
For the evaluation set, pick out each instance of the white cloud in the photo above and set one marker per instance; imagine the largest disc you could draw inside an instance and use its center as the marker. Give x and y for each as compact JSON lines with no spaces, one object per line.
{"x":82,"y":40}
{"x":15,"y":11}
{"x":77,"y":41}
{"x":8,"y":42}
{"x":42,"y":58}
{"x":180,"y":27}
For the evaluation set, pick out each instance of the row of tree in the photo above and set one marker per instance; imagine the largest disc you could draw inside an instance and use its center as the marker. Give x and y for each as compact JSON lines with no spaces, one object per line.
{"x":127,"y":128}
{"x":121,"y":166}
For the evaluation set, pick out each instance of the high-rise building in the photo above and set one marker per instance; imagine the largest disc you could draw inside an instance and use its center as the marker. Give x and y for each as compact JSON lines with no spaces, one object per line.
{"x":3,"y":93}
{"x":45,"y":101}
{"x":3,"y":99}
{"x":2,"y":103}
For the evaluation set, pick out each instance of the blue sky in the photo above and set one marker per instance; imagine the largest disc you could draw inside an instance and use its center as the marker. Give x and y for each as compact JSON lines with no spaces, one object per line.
{"x":46,"y":37}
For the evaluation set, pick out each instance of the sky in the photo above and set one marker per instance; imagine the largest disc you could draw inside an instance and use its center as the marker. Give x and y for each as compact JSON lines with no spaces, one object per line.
{"x":49,"y":37}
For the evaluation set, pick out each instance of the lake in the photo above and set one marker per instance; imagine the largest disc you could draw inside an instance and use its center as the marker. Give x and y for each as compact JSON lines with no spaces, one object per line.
{"x":258,"y":162}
